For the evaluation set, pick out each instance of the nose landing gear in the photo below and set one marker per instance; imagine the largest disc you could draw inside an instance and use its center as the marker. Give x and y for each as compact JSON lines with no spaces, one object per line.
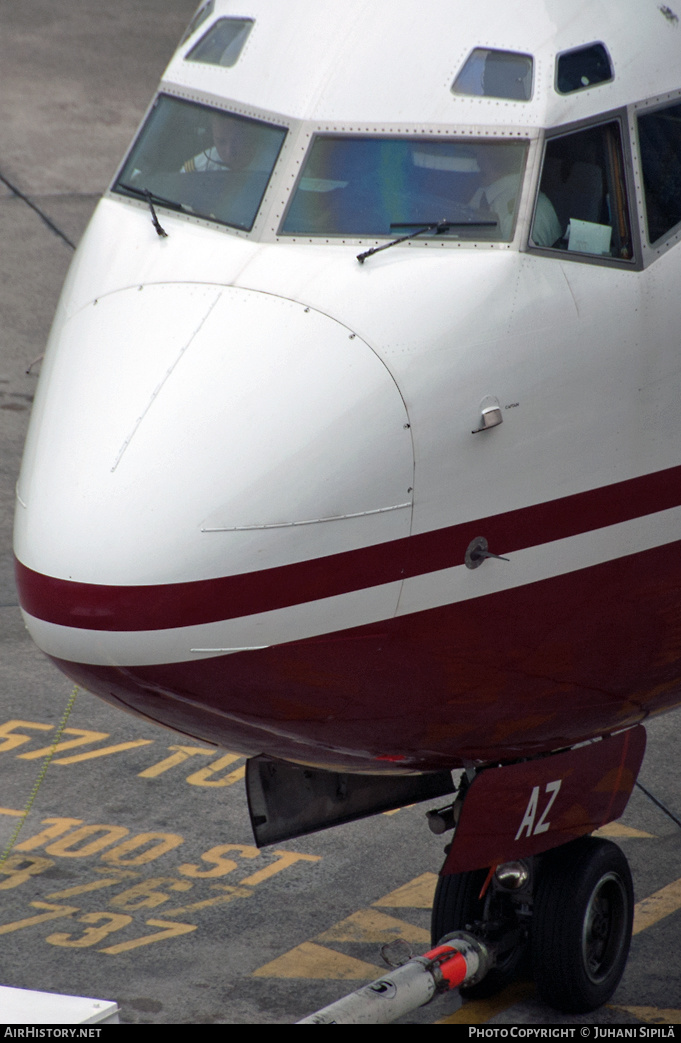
{"x":571,"y":922}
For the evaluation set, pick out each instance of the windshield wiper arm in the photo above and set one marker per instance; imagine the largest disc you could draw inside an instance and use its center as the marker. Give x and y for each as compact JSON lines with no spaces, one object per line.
{"x":440,"y":226}
{"x":145,"y":193}
{"x":160,"y":230}
{"x":436,"y":226}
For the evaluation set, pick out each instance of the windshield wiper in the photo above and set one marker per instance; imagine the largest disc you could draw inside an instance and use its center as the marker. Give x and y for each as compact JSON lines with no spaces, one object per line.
{"x":151,"y":197}
{"x":437,"y":226}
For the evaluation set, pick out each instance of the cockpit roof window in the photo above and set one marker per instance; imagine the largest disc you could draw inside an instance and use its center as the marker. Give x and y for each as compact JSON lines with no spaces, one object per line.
{"x":389,"y":186}
{"x":223,"y":43}
{"x":584,"y":67}
{"x":202,"y":161}
{"x":496,"y":74}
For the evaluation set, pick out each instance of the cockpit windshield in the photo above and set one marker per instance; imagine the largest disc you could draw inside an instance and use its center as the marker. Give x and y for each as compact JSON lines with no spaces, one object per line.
{"x":202,"y":161}
{"x":383,"y":186}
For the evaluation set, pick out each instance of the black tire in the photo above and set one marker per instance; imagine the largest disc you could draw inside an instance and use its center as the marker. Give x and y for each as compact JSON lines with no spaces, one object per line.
{"x":456,"y":905}
{"x":581,"y":927}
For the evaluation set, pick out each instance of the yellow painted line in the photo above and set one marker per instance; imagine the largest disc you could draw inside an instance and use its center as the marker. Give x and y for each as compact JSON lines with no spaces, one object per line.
{"x":85,"y":736}
{"x":315,"y":961}
{"x":203,"y":777}
{"x":10,"y":811}
{"x":615,"y":829}
{"x":417,"y":894}
{"x":231,"y":894}
{"x":475,"y":1012}
{"x":284,"y":859}
{"x":179,"y":757}
{"x":368,"y":925}
{"x":103,"y":752}
{"x":653,"y":1015}
{"x":659,"y":905}
{"x":168,"y":930}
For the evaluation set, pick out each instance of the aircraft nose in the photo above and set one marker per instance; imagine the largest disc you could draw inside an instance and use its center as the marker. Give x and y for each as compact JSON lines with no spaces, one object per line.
{"x":184,"y":432}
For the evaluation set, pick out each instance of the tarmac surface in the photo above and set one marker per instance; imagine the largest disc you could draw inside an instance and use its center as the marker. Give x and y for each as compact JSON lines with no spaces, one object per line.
{"x":134,"y":876}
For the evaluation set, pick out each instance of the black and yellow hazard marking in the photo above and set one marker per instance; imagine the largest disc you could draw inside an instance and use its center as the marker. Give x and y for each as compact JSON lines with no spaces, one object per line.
{"x":616,"y":830}
{"x":657,"y":906}
{"x":368,"y":925}
{"x":313,"y":961}
{"x":317,"y":961}
{"x":417,"y":894}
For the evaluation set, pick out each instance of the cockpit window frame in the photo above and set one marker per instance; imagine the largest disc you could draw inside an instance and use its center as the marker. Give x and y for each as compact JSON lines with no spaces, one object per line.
{"x":288,"y":170}
{"x":651,"y":251}
{"x":633,"y":263}
{"x":229,"y":107}
{"x":438,"y":133}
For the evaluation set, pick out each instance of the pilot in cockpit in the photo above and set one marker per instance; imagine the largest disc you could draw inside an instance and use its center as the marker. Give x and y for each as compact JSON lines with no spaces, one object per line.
{"x":235,"y":147}
{"x":496,"y":195}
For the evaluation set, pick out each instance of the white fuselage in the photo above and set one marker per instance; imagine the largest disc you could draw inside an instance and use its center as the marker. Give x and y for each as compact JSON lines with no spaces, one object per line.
{"x":256,"y":406}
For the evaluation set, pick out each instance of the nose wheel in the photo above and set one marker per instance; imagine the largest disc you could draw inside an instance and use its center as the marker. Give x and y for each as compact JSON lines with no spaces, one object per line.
{"x":581,"y":928}
{"x":574,"y":923}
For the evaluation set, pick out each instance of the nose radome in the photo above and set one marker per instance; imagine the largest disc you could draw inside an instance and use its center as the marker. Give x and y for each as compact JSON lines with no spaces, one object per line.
{"x":184,"y":431}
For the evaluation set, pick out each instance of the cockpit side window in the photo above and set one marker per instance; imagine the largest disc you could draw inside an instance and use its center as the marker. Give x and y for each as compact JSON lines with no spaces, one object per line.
{"x":582,"y":205}
{"x":659,"y":135}
{"x":496,"y":74}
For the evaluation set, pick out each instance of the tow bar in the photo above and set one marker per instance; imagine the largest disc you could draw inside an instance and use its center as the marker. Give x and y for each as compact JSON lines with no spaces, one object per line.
{"x":459,"y":959}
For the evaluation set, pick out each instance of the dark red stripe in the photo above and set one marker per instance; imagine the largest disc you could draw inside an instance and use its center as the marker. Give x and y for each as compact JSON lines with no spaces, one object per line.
{"x":159,"y":607}
{"x":513,"y":674}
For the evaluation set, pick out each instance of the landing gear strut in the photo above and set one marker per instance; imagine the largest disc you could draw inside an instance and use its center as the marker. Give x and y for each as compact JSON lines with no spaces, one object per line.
{"x":571,"y":916}
{"x":495,"y":916}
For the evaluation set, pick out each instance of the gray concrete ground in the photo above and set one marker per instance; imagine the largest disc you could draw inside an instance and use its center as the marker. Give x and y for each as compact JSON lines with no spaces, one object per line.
{"x":134,"y":877}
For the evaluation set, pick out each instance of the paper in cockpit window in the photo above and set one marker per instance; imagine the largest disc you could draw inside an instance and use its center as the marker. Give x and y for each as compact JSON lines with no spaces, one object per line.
{"x":587,"y":237}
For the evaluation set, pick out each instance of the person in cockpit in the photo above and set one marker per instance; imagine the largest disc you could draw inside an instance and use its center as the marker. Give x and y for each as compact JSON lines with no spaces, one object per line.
{"x":496,"y":196}
{"x":235,"y":146}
